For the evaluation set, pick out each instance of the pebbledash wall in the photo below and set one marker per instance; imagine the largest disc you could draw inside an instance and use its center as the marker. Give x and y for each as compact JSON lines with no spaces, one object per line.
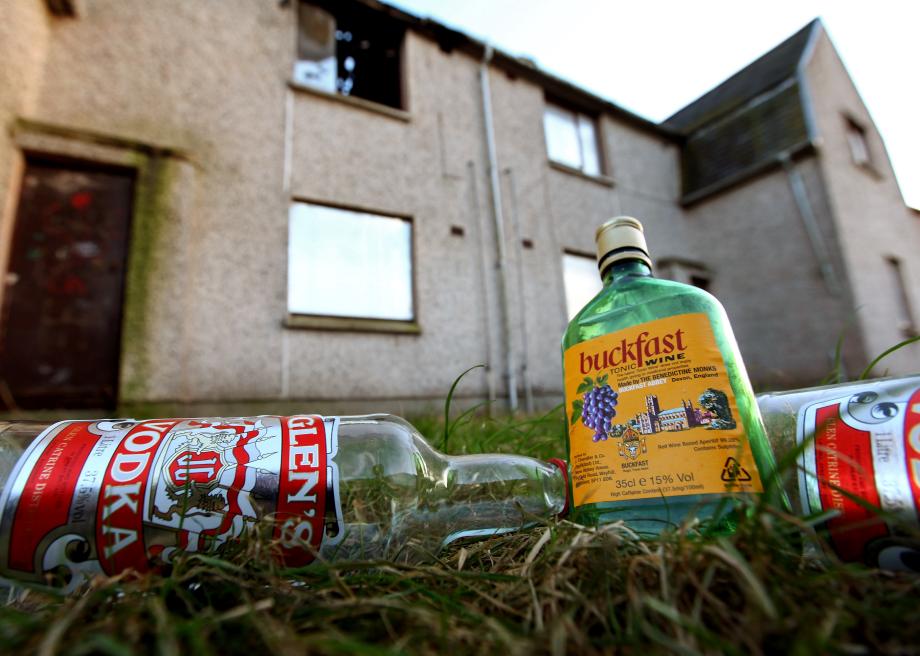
{"x":198,"y":98}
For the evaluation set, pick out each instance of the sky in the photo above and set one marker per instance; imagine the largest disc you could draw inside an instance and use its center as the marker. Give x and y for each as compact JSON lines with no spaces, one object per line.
{"x":653,"y":57}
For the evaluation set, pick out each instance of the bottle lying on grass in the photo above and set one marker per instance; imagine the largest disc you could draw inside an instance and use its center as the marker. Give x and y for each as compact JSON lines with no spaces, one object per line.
{"x":97,"y":497}
{"x":852,"y":454}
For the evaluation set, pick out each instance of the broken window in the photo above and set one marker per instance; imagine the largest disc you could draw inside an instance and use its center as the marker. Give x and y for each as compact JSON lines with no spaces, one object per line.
{"x":350,"y":49}
{"x":581,"y":279}
{"x":343,"y":263}
{"x":571,"y":139}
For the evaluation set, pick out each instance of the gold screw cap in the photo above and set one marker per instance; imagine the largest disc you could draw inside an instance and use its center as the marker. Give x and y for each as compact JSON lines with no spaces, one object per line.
{"x":620,"y":238}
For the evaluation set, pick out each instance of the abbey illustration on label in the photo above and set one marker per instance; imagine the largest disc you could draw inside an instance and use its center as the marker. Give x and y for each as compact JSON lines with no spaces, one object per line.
{"x":597,"y":408}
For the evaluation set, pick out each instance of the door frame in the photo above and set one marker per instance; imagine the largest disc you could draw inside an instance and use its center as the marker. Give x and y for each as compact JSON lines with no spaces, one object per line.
{"x":62,"y":163}
{"x":155,"y":174}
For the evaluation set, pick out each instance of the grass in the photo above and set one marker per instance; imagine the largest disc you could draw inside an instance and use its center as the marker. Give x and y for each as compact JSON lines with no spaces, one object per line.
{"x":556,"y":588}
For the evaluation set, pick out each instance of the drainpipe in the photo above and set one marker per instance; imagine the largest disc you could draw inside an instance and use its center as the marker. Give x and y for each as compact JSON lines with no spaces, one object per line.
{"x":810,"y":223}
{"x":522,"y":298}
{"x":499,"y":220}
{"x":286,"y":174}
{"x":484,"y":274}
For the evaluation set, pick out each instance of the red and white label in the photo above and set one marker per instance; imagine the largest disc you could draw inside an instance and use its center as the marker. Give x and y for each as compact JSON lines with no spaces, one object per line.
{"x":119,"y":520}
{"x":862,"y":462}
{"x":912,"y":443}
{"x":104,"y":496}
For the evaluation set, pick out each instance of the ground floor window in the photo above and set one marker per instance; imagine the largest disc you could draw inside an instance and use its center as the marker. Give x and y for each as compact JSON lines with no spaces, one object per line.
{"x":346,"y":263}
{"x":582,"y":281}
{"x":905,"y":313}
{"x":685,"y":271}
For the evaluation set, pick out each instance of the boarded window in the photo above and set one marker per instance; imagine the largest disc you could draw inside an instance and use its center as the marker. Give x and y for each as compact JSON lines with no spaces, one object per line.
{"x":582,"y":281}
{"x":571,"y":139}
{"x":350,"y":49}
{"x":343,"y":263}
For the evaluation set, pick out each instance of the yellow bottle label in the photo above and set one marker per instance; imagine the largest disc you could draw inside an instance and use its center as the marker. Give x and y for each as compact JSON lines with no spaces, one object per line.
{"x":651,"y":413}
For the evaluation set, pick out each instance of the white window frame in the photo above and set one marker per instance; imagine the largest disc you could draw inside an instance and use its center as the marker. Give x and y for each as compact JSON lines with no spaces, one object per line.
{"x":586,"y":132}
{"x":324,"y":265}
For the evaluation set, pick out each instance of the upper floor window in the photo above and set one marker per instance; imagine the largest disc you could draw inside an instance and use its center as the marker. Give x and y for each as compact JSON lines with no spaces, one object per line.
{"x":343,"y":263}
{"x":572,"y":139}
{"x":859,"y":144}
{"x":350,"y":49}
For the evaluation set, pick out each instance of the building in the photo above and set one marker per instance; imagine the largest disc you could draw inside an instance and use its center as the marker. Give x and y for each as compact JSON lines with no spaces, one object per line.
{"x":655,"y":420}
{"x":335,"y":206}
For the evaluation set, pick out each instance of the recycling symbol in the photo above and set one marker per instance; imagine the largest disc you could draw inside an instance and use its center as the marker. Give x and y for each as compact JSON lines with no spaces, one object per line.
{"x":733,"y":472}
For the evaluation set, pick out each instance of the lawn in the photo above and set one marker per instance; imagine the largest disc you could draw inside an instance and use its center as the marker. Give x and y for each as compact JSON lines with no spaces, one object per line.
{"x":555,"y":588}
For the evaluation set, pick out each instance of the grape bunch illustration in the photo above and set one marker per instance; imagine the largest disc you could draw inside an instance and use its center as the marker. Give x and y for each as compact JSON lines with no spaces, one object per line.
{"x":597,"y":407}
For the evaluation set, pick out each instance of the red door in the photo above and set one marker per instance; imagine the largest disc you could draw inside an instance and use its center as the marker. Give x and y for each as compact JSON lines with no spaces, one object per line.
{"x":60,"y":331}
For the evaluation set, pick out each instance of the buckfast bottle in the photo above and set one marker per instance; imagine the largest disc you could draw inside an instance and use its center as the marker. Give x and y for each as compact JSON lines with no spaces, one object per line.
{"x":856,"y":460}
{"x":97,"y":497}
{"x":661,"y":417}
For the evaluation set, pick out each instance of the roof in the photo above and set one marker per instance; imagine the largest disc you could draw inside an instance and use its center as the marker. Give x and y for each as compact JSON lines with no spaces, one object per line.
{"x":449,"y":40}
{"x":744,"y":143}
{"x":747,"y":124}
{"x":730,"y":134}
{"x":766,"y":72}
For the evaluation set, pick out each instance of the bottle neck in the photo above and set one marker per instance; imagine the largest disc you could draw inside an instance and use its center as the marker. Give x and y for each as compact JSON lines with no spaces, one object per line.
{"x":492,"y":494}
{"x":631,"y":268}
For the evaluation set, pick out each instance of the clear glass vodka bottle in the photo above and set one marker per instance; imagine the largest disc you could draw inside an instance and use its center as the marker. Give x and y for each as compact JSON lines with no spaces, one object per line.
{"x":89,"y":497}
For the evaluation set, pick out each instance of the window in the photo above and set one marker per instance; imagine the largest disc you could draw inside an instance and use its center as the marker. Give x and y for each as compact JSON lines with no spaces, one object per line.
{"x":905,"y":313}
{"x":701,"y":281}
{"x":343,"y":263}
{"x":571,"y":139}
{"x":582,"y":281}
{"x":351,"y":50}
{"x":685,"y":271}
{"x":859,"y":146}
{"x":61,"y":8}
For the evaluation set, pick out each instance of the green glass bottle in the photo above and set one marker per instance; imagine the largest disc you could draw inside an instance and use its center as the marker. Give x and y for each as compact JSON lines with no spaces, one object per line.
{"x":662,"y":420}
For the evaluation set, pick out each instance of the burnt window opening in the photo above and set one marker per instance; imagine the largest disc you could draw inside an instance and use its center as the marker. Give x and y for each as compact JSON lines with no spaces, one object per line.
{"x":351,"y":50}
